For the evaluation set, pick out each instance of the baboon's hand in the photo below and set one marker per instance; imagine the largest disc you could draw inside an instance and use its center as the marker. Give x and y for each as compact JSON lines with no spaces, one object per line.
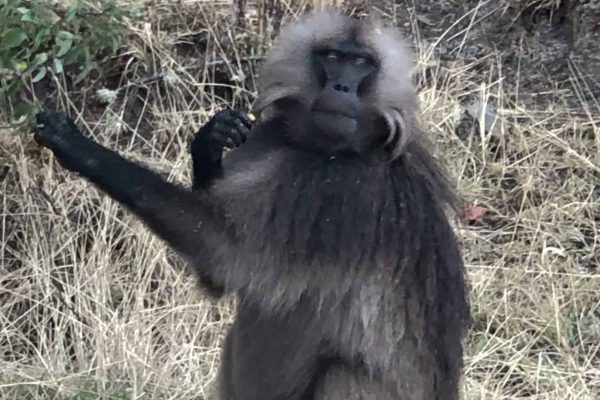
{"x":226,"y":129}
{"x":58,"y":132}
{"x":55,"y":130}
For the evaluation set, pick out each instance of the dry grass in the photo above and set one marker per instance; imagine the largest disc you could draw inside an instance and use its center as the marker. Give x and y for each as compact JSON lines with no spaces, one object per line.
{"x":93,"y":306}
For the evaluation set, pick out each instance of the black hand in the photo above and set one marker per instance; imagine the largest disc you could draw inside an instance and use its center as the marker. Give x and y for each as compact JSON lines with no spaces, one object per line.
{"x":226,"y":129}
{"x":53,"y":128}
{"x":58,"y":132}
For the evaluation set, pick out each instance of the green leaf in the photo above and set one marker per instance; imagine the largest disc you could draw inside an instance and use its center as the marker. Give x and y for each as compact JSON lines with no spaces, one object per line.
{"x":72,"y":11}
{"x":72,"y":56}
{"x":28,"y":18}
{"x":116,"y":44}
{"x":26,"y":14}
{"x":58,"y":65}
{"x":8,"y":6}
{"x":42,"y":36}
{"x":64,"y":41}
{"x":13,"y":37}
{"x":39,"y":75}
{"x":20,"y":66}
{"x":64,"y":35}
{"x":38,"y":60}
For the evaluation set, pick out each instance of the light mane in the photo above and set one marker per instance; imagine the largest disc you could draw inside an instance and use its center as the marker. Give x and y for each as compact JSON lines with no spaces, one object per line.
{"x":287,"y":71}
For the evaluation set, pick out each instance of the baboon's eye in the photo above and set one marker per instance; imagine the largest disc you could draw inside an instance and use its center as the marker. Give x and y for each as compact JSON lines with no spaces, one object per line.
{"x":332,"y":55}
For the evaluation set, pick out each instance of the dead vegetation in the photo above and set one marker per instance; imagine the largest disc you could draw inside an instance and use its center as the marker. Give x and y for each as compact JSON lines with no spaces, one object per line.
{"x":93,"y":306}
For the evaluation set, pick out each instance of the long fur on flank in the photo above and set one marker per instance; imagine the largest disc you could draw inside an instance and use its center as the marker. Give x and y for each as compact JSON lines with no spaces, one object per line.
{"x":367,"y":245}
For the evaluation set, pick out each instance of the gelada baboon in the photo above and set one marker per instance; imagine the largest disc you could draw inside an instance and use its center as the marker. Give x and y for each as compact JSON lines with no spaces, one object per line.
{"x":327,"y":219}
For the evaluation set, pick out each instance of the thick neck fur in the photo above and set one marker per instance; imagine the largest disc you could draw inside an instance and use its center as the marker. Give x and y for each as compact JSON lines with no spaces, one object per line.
{"x":340,"y":213}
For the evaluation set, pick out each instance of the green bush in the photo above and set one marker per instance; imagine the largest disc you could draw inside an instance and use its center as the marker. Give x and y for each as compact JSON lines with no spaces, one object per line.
{"x":36,"y":37}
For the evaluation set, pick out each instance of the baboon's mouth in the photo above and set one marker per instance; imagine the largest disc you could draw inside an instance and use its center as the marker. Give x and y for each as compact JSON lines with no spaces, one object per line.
{"x":332,"y":114}
{"x":334,"y":123}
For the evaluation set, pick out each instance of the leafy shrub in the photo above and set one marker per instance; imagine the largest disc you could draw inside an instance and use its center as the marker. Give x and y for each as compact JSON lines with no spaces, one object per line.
{"x":35,"y":39}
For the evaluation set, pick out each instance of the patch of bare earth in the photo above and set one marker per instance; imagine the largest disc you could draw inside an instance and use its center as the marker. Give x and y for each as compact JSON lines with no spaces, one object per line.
{"x":92,"y":303}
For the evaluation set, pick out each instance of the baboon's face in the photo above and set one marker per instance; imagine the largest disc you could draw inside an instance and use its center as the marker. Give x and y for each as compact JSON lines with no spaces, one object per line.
{"x":344,"y":72}
{"x":339,"y":112}
{"x":337,"y":116}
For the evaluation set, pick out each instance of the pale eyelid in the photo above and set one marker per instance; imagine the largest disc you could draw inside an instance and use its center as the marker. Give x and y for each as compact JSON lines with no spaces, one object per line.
{"x":331,"y":55}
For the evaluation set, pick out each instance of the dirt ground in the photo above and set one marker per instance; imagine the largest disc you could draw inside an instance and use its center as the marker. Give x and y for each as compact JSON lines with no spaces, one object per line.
{"x":93,"y":306}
